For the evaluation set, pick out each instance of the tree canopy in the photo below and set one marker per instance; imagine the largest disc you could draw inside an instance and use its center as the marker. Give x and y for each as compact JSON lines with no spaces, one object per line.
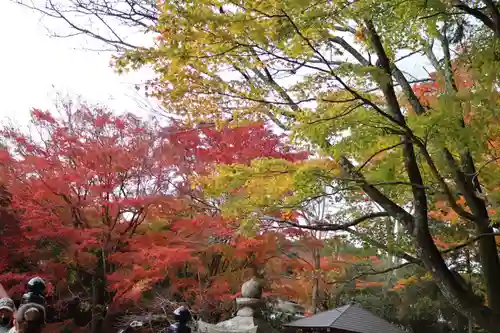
{"x":402,"y":158}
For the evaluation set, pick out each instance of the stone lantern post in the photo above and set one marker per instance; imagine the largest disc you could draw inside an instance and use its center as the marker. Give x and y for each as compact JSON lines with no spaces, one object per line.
{"x":248,"y":319}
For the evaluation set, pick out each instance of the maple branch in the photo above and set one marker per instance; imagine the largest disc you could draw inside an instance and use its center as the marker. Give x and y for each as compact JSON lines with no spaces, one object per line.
{"x":408,"y":257}
{"x":330,"y":227}
{"x":191,"y":195}
{"x":373,"y":272}
{"x":477,"y":14}
{"x":349,"y":48}
{"x":470,"y":241}
{"x":396,"y":120}
{"x":292,"y":104}
{"x":390,"y":206}
{"x":465,"y":187}
{"x":279,"y":89}
{"x":408,"y":55}
{"x":376,"y":153}
{"x":137,"y":16}
{"x":78,"y":219}
{"x":395,"y":252}
{"x":446,"y":189}
{"x":344,"y":113}
{"x":304,"y":64}
{"x":267,"y":77}
{"x":396,"y":72}
{"x":495,"y":15}
{"x":492,"y":160}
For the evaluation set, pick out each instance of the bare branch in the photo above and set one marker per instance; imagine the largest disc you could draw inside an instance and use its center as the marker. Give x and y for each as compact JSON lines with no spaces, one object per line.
{"x":110,"y":16}
{"x":328,"y":226}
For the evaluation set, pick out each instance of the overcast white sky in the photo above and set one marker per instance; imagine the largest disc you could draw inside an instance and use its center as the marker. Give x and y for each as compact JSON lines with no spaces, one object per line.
{"x":34,"y":67}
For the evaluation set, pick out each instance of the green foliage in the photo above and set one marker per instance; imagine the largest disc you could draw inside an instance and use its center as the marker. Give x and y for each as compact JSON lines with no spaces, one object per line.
{"x":329,"y":75}
{"x":266,"y":184}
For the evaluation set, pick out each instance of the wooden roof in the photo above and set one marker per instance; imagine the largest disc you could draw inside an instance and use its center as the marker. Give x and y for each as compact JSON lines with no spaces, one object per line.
{"x":352,"y":318}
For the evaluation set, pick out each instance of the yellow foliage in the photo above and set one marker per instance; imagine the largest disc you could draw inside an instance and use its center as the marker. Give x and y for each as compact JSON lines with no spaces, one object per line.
{"x":360,"y":34}
{"x":405,"y":282}
{"x":369,"y":284}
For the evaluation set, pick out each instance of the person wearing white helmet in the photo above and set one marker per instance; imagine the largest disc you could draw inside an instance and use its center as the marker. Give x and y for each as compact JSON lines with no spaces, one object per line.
{"x":7,"y":308}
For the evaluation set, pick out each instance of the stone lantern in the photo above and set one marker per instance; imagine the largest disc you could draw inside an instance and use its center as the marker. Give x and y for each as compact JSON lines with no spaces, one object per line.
{"x":248,"y":319}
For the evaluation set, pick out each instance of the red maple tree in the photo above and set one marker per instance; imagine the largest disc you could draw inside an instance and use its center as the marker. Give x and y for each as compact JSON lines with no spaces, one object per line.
{"x":217,"y":259}
{"x":105,"y":201}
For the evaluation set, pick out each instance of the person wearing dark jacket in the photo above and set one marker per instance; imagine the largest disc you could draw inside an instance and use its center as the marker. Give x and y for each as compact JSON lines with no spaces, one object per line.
{"x":36,"y":292}
{"x":182,"y":317}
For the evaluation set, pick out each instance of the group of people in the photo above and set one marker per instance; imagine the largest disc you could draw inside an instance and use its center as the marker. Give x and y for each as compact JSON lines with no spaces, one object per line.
{"x":30,"y":316}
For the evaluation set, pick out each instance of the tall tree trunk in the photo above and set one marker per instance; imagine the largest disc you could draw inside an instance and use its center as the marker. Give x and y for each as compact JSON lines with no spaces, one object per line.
{"x":99,"y":294}
{"x":468,"y":182}
{"x":470,"y":324}
{"x":315,"y":287}
{"x":389,"y":231}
